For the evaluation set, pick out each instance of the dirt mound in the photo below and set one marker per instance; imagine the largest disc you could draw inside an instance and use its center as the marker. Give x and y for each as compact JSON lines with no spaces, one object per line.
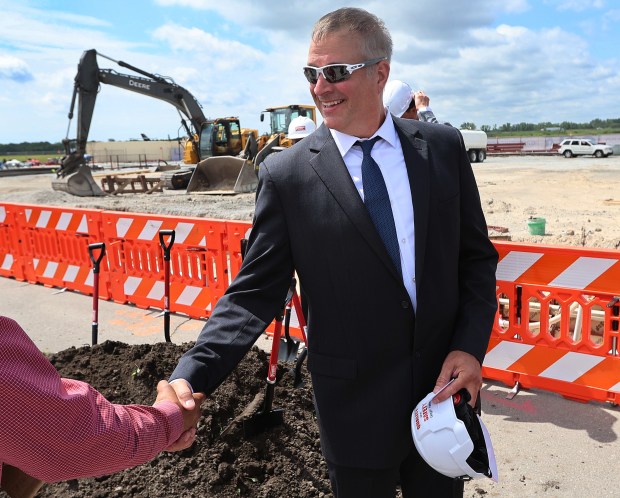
{"x":285,"y":461}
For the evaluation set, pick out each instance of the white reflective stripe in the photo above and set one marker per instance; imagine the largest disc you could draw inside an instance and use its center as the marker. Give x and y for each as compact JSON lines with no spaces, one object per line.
{"x":50,"y":269}
{"x":2,"y":214}
{"x":615,"y":388}
{"x":294,"y":321}
{"x":150,"y":230}
{"x":203,"y":242}
{"x":90,"y":280}
{"x":35,"y":262}
{"x":157,"y":292}
{"x":515,"y":264}
{"x":122,"y":226}
{"x":131,"y":284}
{"x":582,"y":272}
{"x":71,"y":273}
{"x":28,"y":214}
{"x":505,"y":354}
{"x":181,"y":231}
{"x":8,"y":262}
{"x":63,"y":221}
{"x":571,"y":366}
{"x":83,"y":228}
{"x":44,"y":218}
{"x":189,"y":295}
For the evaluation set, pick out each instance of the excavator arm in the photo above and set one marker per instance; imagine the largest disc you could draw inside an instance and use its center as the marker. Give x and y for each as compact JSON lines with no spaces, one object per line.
{"x":86,"y":87}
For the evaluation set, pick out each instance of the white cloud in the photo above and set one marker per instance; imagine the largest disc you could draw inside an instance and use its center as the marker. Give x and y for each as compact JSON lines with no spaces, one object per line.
{"x":12,"y":68}
{"x":579,"y":5}
{"x":221,"y":54}
{"x":239,"y":57}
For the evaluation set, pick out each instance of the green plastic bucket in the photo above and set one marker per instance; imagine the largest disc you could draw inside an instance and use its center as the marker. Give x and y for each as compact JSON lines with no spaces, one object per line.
{"x":536,"y":226}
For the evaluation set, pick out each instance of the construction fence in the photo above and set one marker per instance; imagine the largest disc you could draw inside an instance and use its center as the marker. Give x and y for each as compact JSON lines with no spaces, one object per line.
{"x":557,"y":326}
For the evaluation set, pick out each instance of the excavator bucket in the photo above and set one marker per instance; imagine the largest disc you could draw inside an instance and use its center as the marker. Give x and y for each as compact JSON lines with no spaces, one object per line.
{"x":223,"y":175}
{"x":80,"y":183}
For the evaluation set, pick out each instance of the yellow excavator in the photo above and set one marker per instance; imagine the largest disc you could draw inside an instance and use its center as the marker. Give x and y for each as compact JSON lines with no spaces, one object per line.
{"x":207,"y":140}
{"x":255,"y":148}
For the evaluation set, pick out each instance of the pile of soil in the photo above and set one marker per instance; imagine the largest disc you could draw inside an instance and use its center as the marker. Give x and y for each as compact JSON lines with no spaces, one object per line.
{"x":284,"y":461}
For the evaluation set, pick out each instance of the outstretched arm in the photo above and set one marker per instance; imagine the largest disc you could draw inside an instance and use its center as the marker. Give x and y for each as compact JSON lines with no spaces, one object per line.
{"x":56,"y":429}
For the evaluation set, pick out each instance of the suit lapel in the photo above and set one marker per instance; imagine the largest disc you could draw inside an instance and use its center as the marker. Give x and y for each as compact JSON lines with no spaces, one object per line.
{"x":415,"y":152}
{"x":329,"y":166}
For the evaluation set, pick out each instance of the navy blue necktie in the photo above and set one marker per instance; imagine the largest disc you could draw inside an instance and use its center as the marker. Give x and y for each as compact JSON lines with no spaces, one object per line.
{"x":377,"y":202}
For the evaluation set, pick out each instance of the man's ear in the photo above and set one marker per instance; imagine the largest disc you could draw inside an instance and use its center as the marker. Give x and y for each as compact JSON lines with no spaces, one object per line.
{"x":383,"y":73}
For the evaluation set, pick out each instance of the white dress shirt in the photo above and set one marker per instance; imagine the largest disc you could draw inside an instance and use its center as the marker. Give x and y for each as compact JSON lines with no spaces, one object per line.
{"x":388,"y":154}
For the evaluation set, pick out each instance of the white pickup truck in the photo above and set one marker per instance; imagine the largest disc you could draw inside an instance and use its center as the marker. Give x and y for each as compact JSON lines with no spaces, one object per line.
{"x":475,"y":144}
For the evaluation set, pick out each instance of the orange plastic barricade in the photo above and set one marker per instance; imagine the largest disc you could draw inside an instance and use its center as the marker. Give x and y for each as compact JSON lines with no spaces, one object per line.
{"x":198,"y":261}
{"x":236,"y":231}
{"x":11,"y":261}
{"x":55,"y":243}
{"x":558,"y":321}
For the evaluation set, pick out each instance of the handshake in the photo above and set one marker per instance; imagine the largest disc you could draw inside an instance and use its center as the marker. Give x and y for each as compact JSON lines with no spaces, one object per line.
{"x":180,"y":394}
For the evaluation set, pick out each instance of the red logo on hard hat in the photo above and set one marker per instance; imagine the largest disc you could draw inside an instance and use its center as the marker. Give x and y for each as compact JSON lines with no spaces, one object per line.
{"x":425,"y":413}
{"x":300,"y":128}
{"x":417,"y":420}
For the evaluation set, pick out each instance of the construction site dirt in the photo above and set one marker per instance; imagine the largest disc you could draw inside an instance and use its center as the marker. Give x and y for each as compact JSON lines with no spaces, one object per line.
{"x":545,"y":445}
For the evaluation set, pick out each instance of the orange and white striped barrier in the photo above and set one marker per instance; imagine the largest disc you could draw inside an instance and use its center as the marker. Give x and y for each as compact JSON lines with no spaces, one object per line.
{"x":10,"y":256}
{"x":558,"y":321}
{"x":557,"y":326}
{"x":199,"y":261}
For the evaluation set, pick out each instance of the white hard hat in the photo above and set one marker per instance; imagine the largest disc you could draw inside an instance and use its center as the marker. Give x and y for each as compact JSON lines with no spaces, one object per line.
{"x":455,"y":446}
{"x":301,"y":127}
{"x":397,"y":96}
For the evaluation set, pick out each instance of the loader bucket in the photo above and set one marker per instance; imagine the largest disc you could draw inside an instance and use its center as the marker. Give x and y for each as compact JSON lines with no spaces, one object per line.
{"x":80,"y":183}
{"x":223,"y":175}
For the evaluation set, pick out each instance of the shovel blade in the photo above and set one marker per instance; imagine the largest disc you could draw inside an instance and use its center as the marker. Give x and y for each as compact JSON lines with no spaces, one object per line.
{"x":288,"y":350}
{"x":262,"y":421}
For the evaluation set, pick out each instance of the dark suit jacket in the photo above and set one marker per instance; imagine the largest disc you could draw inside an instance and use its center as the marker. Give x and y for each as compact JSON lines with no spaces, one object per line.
{"x":370,"y":356}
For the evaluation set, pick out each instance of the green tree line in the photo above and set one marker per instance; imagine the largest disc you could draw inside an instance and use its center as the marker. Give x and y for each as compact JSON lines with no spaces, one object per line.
{"x":547,"y":126}
{"x":32,"y":147}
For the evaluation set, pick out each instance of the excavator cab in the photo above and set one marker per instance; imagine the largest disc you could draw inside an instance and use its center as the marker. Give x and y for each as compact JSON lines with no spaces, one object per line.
{"x":227,"y":164}
{"x":280,"y":118}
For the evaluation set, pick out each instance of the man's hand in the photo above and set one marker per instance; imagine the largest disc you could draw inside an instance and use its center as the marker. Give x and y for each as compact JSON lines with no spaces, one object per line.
{"x":191,"y":414}
{"x":466,"y":371}
{"x":185,"y":440}
{"x":184,"y":393}
{"x":421,"y":99}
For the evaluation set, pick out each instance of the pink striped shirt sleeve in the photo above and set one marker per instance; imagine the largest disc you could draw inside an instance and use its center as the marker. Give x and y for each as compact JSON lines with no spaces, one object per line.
{"x":57,"y":429}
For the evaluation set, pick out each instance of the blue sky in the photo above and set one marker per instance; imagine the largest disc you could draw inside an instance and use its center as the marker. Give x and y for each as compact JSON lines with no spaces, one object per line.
{"x":483,"y":61}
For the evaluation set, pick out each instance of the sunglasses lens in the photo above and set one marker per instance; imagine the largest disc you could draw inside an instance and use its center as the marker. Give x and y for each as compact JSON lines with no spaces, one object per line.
{"x":311,"y":74}
{"x":336,"y":73}
{"x":332,"y":74}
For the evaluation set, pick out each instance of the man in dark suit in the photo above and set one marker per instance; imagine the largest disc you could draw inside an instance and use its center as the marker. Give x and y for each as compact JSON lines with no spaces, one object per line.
{"x":391,"y":317}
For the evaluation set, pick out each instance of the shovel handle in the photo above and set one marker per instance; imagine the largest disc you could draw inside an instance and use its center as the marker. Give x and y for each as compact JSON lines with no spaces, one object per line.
{"x":275,"y":350}
{"x":300,"y":316}
{"x":96,"y":260}
{"x":166,"y":248}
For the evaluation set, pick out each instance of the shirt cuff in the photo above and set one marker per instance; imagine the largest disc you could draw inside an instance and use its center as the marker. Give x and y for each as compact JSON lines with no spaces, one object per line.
{"x":174,"y":416}
{"x":187,"y":382}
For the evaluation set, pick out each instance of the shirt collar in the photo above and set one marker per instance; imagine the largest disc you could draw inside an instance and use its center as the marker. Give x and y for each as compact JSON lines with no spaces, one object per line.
{"x":386,"y":131}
